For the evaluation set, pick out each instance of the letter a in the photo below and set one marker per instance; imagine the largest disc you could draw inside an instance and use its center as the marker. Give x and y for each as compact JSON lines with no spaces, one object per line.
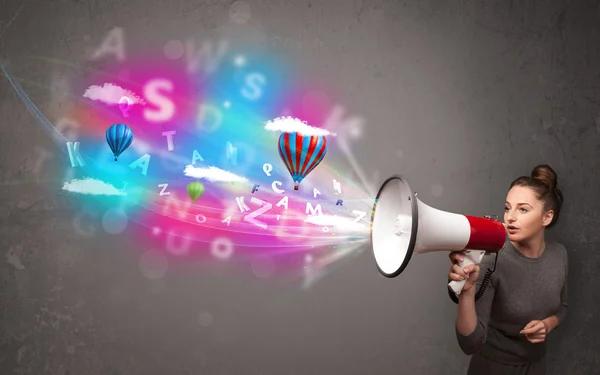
{"x":196,"y":156}
{"x":113,"y":44}
{"x":142,"y":163}
{"x":283,"y":202}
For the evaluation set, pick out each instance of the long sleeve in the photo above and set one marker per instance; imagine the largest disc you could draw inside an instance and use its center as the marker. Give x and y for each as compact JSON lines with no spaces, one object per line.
{"x":561,"y":313}
{"x":520,"y":290}
{"x":473,"y":342}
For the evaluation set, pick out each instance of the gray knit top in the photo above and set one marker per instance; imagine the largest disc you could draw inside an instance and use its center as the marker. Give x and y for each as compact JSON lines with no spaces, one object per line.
{"x":522,"y":289}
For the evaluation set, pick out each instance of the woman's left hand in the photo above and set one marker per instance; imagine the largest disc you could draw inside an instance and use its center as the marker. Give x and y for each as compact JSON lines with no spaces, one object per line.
{"x":535,"y":331}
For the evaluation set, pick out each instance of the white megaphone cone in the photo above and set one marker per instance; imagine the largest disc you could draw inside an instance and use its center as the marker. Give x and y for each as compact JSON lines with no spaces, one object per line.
{"x":402,"y":225}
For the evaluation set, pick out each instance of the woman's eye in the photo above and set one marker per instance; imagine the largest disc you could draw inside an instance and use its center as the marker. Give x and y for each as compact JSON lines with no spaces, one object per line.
{"x":523,"y":210}
{"x":505,"y":208}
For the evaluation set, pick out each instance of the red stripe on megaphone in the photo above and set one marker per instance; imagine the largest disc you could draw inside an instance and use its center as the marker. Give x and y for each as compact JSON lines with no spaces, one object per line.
{"x":486,"y":234}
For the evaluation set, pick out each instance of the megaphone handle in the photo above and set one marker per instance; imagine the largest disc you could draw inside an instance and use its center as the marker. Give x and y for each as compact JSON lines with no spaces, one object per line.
{"x":470,"y":257}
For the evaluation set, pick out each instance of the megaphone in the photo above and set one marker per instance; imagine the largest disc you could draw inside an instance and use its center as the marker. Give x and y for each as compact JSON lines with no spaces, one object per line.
{"x":402,"y":225}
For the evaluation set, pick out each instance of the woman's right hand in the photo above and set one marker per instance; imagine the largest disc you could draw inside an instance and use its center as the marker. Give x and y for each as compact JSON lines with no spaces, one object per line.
{"x":469,"y":273}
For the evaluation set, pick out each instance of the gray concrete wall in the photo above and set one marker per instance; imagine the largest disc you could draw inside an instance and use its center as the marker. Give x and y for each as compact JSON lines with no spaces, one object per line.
{"x":462,"y":97}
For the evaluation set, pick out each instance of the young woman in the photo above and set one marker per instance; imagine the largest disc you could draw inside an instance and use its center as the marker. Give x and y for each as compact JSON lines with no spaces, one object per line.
{"x":506,"y":328}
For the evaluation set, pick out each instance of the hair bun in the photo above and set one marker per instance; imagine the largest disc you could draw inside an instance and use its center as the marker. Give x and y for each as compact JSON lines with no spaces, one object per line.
{"x":546,"y":175}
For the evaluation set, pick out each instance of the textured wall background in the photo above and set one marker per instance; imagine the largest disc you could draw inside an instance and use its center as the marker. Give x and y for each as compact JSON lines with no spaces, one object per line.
{"x":460,"y":96}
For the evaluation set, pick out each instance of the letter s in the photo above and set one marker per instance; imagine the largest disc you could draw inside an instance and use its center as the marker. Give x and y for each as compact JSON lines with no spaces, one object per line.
{"x":166,"y":108}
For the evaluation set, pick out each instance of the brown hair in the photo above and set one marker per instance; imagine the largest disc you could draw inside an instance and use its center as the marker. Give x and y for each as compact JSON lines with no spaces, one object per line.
{"x":543,"y":181}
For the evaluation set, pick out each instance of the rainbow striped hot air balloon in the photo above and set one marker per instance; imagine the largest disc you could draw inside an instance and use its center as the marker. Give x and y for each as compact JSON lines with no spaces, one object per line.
{"x":301,"y":153}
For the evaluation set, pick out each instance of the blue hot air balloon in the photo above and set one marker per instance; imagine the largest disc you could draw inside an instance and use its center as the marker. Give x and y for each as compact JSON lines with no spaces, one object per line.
{"x":301,"y":154}
{"x":119,"y":137}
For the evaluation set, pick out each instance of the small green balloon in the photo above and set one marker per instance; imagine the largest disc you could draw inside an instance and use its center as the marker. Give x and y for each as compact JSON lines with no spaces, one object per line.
{"x":195,"y":190}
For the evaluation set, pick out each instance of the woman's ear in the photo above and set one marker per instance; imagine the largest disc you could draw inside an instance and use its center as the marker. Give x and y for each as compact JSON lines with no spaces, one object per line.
{"x":547,"y":218}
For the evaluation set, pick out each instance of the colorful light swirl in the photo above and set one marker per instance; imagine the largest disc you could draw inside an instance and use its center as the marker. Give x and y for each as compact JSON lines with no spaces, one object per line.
{"x":192,"y":123}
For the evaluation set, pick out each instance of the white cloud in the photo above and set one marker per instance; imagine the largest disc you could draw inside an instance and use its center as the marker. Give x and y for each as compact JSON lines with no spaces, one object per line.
{"x":288,"y":124}
{"x":91,"y":186}
{"x":111,"y":94}
{"x":213,"y":174}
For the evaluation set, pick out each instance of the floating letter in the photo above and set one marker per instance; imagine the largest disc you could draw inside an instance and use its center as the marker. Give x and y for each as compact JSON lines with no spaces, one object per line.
{"x":337,"y":187}
{"x":313,"y":211}
{"x":267,"y":168}
{"x":254,"y":81}
{"x":196,"y":156}
{"x":284,"y":202}
{"x":205,"y":57}
{"x":169,"y":136}
{"x":266,"y":206}
{"x":141,"y":162}
{"x":243,"y":206}
{"x":316,"y":192}
{"x":359,"y":215}
{"x":221,"y":248}
{"x":113,"y":44}
{"x":164,"y":187}
{"x":74,"y":155}
{"x":275,"y":189}
{"x":205,"y":111}
{"x":166,"y":106}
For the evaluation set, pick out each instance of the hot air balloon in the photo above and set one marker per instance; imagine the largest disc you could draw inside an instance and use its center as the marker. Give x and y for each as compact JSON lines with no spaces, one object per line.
{"x":195,"y":190}
{"x":119,"y":137}
{"x":301,"y":153}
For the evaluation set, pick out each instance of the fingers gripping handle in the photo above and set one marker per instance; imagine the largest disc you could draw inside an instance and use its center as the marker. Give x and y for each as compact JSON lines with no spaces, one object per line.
{"x":470,"y":257}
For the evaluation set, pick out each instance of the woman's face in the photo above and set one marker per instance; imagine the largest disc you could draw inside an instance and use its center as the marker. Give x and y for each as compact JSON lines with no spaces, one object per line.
{"x":524,"y":214}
